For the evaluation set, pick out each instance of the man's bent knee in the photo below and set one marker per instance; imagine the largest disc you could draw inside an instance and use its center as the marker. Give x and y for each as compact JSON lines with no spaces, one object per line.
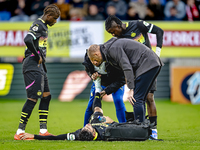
{"x":150,"y":97}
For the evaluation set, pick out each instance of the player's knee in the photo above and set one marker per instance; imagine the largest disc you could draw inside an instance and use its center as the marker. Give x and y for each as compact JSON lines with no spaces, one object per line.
{"x":150,"y":98}
{"x":34,"y":100}
{"x":46,"y":94}
{"x":118,"y":101}
{"x":47,"y":98}
{"x":98,"y":109}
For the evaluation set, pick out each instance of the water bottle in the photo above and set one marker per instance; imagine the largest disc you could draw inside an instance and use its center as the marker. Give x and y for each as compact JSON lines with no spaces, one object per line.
{"x":101,"y":119}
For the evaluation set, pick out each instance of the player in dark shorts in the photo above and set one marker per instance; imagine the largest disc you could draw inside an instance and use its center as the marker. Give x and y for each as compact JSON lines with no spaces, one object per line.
{"x":96,"y":127}
{"x":138,"y":30}
{"x":34,"y":70}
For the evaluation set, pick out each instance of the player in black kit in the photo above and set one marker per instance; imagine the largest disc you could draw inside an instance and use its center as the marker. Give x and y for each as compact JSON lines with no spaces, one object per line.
{"x":138,"y":30}
{"x":34,"y":70}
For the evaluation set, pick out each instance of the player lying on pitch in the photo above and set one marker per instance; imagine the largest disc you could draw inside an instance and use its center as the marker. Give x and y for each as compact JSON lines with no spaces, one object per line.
{"x":96,"y":129}
{"x":91,"y":131}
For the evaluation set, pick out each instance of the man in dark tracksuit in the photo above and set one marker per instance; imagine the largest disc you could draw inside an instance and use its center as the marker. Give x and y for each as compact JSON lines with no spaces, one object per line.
{"x":138,"y":30}
{"x":112,"y":81}
{"x":140,"y":65}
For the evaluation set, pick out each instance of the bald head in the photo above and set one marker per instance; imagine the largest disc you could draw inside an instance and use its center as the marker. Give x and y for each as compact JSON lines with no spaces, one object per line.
{"x":93,"y":49}
{"x":94,"y":55}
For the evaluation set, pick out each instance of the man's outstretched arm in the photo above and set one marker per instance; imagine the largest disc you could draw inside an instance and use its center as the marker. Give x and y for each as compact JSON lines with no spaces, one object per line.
{"x":69,"y":136}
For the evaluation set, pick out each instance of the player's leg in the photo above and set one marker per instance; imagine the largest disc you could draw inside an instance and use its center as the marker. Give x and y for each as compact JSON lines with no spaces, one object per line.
{"x":151,"y":108}
{"x":119,"y":104}
{"x":33,"y":87}
{"x":44,"y":106}
{"x":89,"y":111}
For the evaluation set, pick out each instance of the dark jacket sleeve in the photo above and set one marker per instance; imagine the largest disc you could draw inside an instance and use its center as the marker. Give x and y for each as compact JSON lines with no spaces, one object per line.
{"x":119,"y":79}
{"x":29,"y":43}
{"x":145,"y":27}
{"x":89,"y":68}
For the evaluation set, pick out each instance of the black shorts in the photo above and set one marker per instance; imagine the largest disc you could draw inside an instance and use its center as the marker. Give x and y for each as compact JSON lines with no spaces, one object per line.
{"x":36,"y":83}
{"x":153,"y":87}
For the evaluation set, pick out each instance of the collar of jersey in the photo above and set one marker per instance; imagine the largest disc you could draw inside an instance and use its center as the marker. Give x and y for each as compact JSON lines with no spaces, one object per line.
{"x":96,"y":134}
{"x":41,"y":20}
{"x":126,"y":24}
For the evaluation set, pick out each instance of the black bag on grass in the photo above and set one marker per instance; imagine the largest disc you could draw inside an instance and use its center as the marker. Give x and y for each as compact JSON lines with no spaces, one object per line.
{"x":128,"y":131}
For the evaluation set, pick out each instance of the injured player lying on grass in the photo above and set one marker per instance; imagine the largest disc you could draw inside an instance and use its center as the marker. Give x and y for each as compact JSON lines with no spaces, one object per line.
{"x":96,"y":129}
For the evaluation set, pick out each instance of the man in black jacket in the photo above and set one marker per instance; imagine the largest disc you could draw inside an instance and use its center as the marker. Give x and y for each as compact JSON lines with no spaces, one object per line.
{"x":107,"y":80}
{"x":138,"y":62}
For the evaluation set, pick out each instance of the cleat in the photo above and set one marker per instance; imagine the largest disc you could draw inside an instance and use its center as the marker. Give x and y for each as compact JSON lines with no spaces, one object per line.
{"x":154,"y":134}
{"x":17,"y":136}
{"x":46,"y":134}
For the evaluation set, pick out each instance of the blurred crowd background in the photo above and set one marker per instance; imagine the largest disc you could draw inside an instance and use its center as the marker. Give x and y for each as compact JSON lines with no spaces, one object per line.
{"x":78,"y":10}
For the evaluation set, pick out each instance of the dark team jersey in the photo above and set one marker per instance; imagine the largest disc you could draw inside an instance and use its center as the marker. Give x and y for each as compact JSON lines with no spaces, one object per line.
{"x":97,"y":125}
{"x":39,"y":32}
{"x":138,"y":30}
{"x":94,"y":121}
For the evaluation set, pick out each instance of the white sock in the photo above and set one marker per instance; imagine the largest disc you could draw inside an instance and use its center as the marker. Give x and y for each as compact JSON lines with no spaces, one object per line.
{"x":43,"y":131}
{"x":97,"y":90}
{"x":19,"y":131}
{"x":97,"y":84}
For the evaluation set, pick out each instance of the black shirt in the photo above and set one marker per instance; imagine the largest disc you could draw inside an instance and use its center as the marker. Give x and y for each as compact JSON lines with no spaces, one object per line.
{"x":98,"y":125}
{"x":138,"y":30}
{"x":39,"y":32}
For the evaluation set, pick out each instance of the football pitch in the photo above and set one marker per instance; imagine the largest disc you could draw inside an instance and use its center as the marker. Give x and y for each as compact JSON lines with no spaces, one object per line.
{"x":178,"y":126}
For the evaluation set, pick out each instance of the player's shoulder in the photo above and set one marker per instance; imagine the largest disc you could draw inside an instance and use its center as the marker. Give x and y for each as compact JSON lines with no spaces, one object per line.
{"x":143,"y":23}
{"x":38,"y":25}
{"x":132,"y":23}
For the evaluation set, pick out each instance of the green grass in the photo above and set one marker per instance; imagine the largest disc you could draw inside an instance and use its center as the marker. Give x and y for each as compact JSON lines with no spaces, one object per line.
{"x":178,"y":126}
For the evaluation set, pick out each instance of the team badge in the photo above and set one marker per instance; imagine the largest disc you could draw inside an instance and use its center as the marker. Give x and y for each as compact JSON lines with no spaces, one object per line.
{"x":133,"y":34}
{"x":35,"y":28}
{"x":39,"y":93}
{"x":145,"y":23}
{"x":191,"y":87}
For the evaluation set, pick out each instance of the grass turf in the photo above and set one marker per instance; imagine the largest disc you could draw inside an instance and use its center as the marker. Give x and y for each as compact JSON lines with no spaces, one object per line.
{"x":178,"y":126}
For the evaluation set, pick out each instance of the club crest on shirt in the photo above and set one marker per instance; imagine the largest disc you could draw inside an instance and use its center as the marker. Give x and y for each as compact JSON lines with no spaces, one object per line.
{"x":133,"y":34}
{"x":35,"y":28}
{"x":39,"y":93}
